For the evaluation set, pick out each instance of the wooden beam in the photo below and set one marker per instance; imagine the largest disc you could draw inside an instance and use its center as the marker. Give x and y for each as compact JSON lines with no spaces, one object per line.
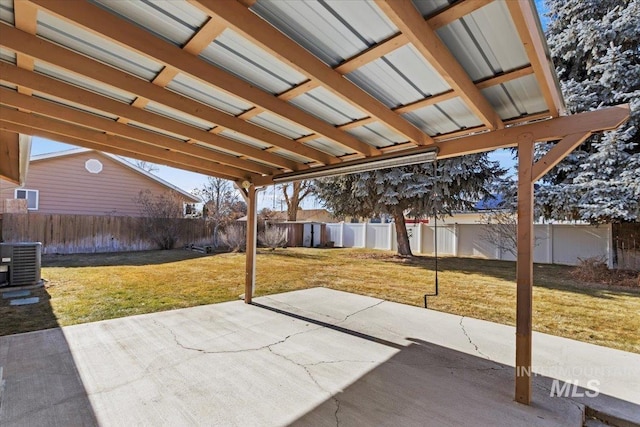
{"x":131,"y":36}
{"x":10,"y":156}
{"x":43,"y":84}
{"x":592,"y":121}
{"x":527,"y":24}
{"x":19,"y":41}
{"x":454,"y":12}
{"x":263,"y":34}
{"x":421,"y":103}
{"x":252,"y":231}
{"x":204,"y":37}
{"x":47,"y":128}
{"x":358,"y":123}
{"x":559,"y":151}
{"x":524,"y":267}
{"x":406,"y":17}
{"x":505,"y":77}
{"x":298,"y":90}
{"x":25,"y":16}
{"x":371,"y":54}
{"x":234,"y":166}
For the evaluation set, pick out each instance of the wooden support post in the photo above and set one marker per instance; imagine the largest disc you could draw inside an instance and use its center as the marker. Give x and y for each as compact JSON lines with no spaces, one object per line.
{"x":252,"y":231}
{"x":524,"y":276}
{"x":10,"y":157}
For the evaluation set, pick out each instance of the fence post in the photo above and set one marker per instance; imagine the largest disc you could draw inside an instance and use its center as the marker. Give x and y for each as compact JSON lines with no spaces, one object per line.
{"x":455,"y":239}
{"x":419,"y":245}
{"x":341,"y":230}
{"x":390,"y":232}
{"x":364,"y":235}
{"x":550,"y":243}
{"x":610,"y":246}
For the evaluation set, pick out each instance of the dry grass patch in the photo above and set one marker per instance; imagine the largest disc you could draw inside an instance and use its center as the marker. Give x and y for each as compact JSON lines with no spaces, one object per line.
{"x":87,"y":288}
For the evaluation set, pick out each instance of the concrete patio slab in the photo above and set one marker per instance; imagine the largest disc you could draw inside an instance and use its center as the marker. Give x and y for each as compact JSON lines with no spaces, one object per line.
{"x":314,"y":357}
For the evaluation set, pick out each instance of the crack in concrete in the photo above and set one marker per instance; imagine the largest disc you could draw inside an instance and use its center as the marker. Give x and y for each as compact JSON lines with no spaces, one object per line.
{"x":464,"y":331}
{"x":360,"y":311}
{"x":243,"y":350}
{"x":327,"y":362}
{"x":311,"y":377}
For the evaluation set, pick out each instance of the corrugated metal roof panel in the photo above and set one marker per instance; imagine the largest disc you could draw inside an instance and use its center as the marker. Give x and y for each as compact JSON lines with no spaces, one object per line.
{"x":75,"y":106}
{"x":195,"y":89}
{"x":239,"y":137}
{"x":485,"y":42}
{"x":516,"y":98}
{"x":77,"y":39}
{"x":215,"y":148}
{"x":327,"y":106}
{"x":9,"y":85}
{"x":333,"y":30}
{"x":7,"y":56}
{"x":158,"y":131}
{"x":399,"y":78}
{"x":377,"y":135}
{"x":444,"y":117}
{"x":175,"y":21}
{"x":279,"y":125}
{"x":292,"y":156}
{"x":6,"y":11}
{"x":232,"y":52}
{"x":83,"y":82}
{"x":179,"y":116}
{"x":328,"y":146}
{"x":430,"y":7}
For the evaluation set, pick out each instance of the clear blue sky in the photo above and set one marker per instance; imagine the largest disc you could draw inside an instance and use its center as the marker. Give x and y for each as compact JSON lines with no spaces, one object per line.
{"x":189,"y":180}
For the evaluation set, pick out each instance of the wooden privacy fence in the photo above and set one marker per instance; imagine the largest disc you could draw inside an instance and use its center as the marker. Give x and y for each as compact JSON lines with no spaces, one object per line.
{"x":67,"y":234}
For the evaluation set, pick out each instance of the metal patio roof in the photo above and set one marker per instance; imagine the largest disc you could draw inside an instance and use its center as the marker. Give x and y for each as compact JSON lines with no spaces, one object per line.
{"x":248,"y":90}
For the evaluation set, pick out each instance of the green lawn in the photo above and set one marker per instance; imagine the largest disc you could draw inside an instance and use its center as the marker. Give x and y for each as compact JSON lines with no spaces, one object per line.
{"x":86,"y":288}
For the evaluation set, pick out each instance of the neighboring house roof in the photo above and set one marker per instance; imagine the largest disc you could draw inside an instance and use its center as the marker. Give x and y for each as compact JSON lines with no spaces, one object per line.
{"x":74,"y":151}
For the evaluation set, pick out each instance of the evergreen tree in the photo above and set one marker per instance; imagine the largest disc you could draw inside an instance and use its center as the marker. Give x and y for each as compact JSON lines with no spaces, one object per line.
{"x":416,"y":190}
{"x":594,"y":45}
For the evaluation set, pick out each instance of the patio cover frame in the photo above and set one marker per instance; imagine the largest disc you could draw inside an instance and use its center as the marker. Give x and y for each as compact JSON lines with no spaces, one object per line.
{"x":192,"y":134}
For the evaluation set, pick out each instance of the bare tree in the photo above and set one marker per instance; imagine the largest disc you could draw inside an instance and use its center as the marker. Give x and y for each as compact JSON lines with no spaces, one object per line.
{"x":146,"y":166}
{"x":500,"y":231}
{"x":273,"y":237}
{"x":294,"y":193}
{"x":222,"y":205}
{"x":162,"y":217}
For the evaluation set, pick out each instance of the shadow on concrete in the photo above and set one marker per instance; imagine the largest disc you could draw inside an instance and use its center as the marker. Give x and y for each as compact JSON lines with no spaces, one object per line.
{"x":39,"y":381}
{"x":425,"y":384}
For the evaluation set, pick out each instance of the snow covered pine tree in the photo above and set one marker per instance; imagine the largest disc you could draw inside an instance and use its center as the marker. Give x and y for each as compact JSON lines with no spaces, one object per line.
{"x":595,"y":47}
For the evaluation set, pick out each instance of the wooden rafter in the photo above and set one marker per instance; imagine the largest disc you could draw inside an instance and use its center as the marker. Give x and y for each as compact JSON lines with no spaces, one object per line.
{"x":43,"y":84}
{"x":107,"y":25}
{"x":50,"y":52}
{"x":407,"y":18}
{"x":527,"y":25}
{"x":14,"y":99}
{"x":30,"y":124}
{"x":371,"y":54}
{"x":455,"y":11}
{"x":260,"y":32}
{"x":26,"y":19}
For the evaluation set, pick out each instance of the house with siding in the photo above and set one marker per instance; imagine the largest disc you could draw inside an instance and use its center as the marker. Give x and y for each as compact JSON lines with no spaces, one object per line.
{"x":84,"y":182}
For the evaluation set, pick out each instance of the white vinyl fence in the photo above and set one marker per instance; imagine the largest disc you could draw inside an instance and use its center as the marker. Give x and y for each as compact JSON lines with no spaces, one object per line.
{"x":555,"y":243}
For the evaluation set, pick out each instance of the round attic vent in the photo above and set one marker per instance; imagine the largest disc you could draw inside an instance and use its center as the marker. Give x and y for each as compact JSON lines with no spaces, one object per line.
{"x":93,"y":166}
